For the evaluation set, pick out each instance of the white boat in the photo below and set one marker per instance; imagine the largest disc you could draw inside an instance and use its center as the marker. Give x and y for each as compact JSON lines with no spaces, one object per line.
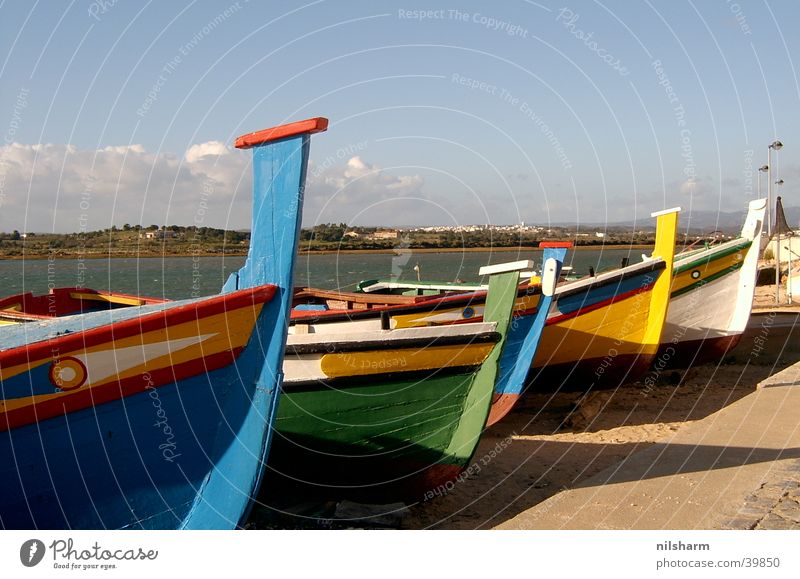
{"x":712,"y":295}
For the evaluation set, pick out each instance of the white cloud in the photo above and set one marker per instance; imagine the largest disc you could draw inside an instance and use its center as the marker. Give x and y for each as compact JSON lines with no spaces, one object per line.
{"x":56,"y":187}
{"x":358,"y":192}
{"x":211,"y":148}
{"x":47,"y":187}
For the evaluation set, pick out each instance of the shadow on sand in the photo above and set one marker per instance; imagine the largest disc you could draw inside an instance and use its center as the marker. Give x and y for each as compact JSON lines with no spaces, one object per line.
{"x":533,"y":454}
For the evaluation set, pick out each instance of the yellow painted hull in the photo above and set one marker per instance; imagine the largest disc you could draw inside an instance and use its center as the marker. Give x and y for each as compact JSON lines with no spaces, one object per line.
{"x":619,"y":328}
{"x":613,"y":340}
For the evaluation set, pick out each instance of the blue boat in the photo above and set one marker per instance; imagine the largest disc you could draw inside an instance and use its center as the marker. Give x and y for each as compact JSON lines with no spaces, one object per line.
{"x":158,"y":416}
{"x":523,"y":340}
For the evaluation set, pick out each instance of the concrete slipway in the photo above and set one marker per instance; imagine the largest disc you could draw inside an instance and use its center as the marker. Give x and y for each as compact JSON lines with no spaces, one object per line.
{"x":735,"y":469}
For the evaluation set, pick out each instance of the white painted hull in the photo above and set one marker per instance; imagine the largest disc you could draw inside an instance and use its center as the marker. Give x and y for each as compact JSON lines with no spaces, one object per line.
{"x":716,"y":310}
{"x":389,"y":351}
{"x":709,"y":320}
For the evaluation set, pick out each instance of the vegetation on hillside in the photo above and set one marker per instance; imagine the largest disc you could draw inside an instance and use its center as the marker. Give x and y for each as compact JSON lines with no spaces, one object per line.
{"x":135,"y":240}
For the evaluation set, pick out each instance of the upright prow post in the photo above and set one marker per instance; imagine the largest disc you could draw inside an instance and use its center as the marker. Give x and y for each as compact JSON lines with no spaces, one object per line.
{"x":280,"y":157}
{"x":666,"y":233}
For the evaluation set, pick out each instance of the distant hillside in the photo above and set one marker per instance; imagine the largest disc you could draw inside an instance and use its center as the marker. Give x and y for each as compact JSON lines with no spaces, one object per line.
{"x":732,"y":221}
{"x":699,"y":221}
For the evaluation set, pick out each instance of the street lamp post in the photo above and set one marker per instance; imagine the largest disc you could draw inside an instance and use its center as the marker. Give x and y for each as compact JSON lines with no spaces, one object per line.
{"x":761,"y":169}
{"x":764,"y":230}
{"x":775,"y":145}
{"x":779,"y":182}
{"x":788,"y":260}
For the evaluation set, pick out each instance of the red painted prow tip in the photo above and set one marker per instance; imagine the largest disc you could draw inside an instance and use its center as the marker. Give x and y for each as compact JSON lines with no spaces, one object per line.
{"x":315,"y":125}
{"x":544,"y":244}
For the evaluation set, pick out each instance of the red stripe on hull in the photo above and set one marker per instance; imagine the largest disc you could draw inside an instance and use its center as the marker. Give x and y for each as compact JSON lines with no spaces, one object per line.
{"x":116,"y":390}
{"x":586,"y":309}
{"x":135,"y":326}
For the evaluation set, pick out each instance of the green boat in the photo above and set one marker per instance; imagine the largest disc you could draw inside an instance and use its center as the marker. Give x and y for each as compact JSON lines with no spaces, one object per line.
{"x":385,"y":413}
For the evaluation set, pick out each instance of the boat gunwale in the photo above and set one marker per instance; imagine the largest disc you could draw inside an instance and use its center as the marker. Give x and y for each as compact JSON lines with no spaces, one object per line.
{"x":357,"y":381}
{"x":337,"y":346}
{"x":711,"y":254}
{"x":469,"y":298}
{"x":116,"y":330}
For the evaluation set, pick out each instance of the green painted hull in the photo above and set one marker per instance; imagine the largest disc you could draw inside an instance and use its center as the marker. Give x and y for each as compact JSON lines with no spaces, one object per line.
{"x":395,"y":435}
{"x":399,"y":434}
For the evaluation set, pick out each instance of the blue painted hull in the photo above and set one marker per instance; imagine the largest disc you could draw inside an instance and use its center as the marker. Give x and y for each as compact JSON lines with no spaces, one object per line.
{"x":160,"y":459}
{"x":87,"y":448}
{"x":522,"y":341}
{"x":510,"y":381}
{"x":594,"y":295}
{"x":133,"y":464}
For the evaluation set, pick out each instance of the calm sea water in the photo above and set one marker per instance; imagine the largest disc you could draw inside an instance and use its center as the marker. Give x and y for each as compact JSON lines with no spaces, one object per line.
{"x":173,"y":277}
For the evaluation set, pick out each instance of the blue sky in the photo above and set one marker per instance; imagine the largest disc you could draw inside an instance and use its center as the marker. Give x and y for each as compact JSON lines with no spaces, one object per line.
{"x":470,"y":112}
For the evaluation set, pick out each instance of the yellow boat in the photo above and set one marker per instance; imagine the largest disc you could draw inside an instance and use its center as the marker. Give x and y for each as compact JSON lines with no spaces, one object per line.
{"x":606,"y":329}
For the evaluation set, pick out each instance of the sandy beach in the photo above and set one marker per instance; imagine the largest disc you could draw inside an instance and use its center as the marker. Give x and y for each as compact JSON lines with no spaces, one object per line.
{"x":554,"y":441}
{"x":545,"y":446}
{"x":549,"y":444}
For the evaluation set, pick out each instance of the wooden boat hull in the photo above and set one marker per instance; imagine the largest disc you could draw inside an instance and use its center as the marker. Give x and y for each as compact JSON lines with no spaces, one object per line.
{"x":524,"y":338}
{"x":592,"y":373}
{"x":601,"y":336}
{"x":388,"y":412}
{"x":598,"y":338}
{"x":118,"y":426}
{"x":592,"y":335}
{"x":69,"y":301}
{"x":158,"y":416}
{"x":691,"y":322}
{"x":711,"y":298}
{"x":689,"y":353}
{"x":381,"y":435}
{"x":525,"y":322}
